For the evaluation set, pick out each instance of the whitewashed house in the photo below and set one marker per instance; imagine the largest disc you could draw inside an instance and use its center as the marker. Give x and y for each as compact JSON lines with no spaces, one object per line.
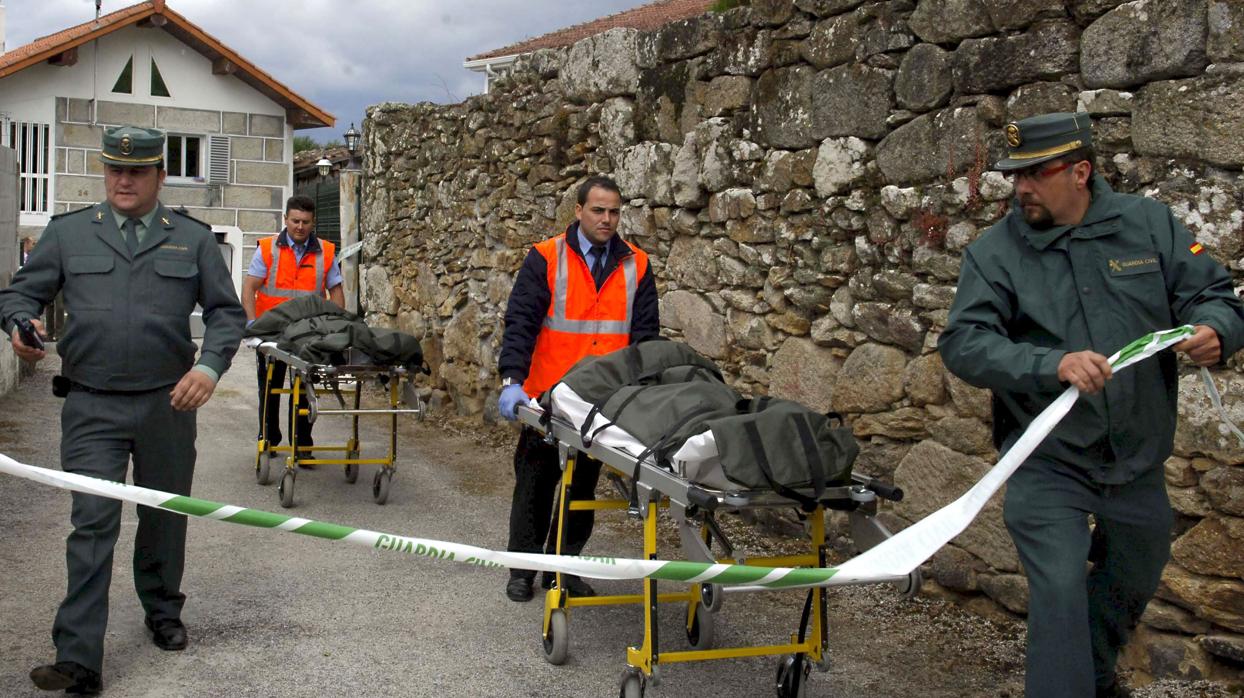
{"x":230,"y":125}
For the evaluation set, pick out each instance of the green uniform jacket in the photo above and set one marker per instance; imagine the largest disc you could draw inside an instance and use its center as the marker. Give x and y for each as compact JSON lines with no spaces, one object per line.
{"x":1026,"y":297}
{"x":129,"y":320}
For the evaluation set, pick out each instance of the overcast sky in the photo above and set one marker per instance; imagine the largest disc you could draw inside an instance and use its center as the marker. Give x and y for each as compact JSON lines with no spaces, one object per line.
{"x":343,"y":55}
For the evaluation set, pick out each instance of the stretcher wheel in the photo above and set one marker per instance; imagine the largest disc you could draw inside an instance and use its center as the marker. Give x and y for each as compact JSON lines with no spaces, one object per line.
{"x":786,"y":677}
{"x":712,"y":596}
{"x":380,"y":485}
{"x":910,"y":587}
{"x":286,"y":490}
{"x":702,"y":629}
{"x":263,"y":466}
{"x":632,"y":684}
{"x":557,"y":643}
{"x":352,"y":469}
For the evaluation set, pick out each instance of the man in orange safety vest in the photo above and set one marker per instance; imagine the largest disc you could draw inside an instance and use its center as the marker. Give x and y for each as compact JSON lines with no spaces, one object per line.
{"x":293,"y":263}
{"x":584,"y":292}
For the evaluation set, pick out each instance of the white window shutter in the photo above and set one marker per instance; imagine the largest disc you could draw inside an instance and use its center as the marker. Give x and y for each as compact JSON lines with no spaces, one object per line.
{"x":218,"y":160}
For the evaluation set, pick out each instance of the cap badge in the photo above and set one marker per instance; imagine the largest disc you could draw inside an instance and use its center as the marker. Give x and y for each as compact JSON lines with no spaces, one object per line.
{"x":127,"y":146}
{"x":1012,"y":135}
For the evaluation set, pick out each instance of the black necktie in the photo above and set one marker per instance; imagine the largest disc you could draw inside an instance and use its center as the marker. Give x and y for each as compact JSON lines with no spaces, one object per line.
{"x":598,"y":267}
{"x":131,"y":235}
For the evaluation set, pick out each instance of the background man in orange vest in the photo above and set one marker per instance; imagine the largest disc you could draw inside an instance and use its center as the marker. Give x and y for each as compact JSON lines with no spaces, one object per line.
{"x":293,"y":263}
{"x":584,"y":292}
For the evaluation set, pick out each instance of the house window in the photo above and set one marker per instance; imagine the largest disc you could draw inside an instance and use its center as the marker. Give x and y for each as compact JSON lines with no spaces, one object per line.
{"x":158,"y":88}
{"x":125,"y":81}
{"x":184,"y":156}
{"x":33,"y":144}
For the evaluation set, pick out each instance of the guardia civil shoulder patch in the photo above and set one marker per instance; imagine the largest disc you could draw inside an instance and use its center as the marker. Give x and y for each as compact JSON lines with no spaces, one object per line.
{"x":1196,"y":248}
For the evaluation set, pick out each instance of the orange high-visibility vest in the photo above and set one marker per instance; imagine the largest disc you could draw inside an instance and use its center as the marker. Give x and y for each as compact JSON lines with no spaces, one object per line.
{"x":581,"y":321}
{"x":287,"y":278}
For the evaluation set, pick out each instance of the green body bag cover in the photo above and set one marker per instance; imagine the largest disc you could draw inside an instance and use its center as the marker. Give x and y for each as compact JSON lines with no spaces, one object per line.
{"x":798,"y":447}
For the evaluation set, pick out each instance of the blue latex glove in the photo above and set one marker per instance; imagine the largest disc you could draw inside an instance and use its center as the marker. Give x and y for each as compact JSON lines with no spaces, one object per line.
{"x":511,"y":397}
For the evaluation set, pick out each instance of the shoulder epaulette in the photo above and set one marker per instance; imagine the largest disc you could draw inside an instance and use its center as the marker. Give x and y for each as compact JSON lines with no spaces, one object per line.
{"x":186,"y":214}
{"x":70,"y":213}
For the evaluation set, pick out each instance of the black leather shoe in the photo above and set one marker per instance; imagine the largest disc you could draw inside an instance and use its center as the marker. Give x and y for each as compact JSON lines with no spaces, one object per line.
{"x":70,"y":677}
{"x":573,"y":584}
{"x":518,"y":589}
{"x":168,"y":634}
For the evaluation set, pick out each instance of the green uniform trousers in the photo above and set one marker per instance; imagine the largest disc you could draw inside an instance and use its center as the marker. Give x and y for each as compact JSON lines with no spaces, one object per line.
{"x":1086,"y":592}
{"x":99,"y":434}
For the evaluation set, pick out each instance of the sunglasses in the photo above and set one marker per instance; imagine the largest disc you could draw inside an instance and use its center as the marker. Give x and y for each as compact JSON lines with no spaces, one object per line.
{"x":1036,"y":173}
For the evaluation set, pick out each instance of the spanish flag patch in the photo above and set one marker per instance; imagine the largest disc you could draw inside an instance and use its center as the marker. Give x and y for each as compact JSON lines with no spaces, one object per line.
{"x":1196,"y":248}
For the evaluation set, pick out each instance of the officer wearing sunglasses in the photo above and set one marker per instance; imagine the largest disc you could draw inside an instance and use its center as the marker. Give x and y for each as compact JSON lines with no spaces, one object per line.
{"x":1072,"y":273}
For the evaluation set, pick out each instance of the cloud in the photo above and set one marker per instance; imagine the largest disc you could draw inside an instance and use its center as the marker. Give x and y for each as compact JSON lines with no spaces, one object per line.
{"x":344,"y":56}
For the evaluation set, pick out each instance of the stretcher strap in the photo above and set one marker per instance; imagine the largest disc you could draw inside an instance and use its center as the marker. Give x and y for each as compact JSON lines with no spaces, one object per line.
{"x":660,"y":449}
{"x":812,"y":454}
{"x":806,"y":503}
{"x":796,"y":676}
{"x":634,"y":366}
{"x":816,"y":464}
{"x":596,"y":408}
{"x":642,"y":381}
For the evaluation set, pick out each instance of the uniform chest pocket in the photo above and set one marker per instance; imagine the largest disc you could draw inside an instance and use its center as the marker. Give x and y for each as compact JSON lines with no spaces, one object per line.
{"x":88,"y":282}
{"x":1140,"y":290}
{"x":175,"y":286}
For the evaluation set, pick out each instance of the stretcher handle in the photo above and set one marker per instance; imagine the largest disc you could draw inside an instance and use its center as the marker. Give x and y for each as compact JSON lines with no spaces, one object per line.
{"x":883,"y":489}
{"x":702,"y":498}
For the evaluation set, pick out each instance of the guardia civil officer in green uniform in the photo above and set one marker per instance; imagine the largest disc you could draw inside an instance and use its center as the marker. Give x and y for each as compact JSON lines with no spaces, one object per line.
{"x":131,"y":272}
{"x":1069,"y":276}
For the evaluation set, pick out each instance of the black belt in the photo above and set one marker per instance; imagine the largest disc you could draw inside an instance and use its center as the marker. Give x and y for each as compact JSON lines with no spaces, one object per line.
{"x":62,"y":386}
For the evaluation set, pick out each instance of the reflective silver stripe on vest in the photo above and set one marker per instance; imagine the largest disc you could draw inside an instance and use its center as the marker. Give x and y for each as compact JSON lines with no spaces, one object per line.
{"x":560,"y":323}
{"x":270,"y":288}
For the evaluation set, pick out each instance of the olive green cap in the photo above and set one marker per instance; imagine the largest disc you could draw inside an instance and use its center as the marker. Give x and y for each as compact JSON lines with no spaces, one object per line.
{"x":1039,"y":138}
{"x":132,"y":146}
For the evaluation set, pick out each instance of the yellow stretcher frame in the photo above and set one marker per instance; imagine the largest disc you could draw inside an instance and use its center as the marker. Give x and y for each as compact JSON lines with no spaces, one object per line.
{"x":305,"y":377}
{"x":703,"y":600}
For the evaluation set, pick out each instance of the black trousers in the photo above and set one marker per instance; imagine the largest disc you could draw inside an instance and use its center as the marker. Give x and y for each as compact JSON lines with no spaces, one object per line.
{"x":1080,"y":616}
{"x":533,"y":523}
{"x":100,"y":434}
{"x":272,"y":415}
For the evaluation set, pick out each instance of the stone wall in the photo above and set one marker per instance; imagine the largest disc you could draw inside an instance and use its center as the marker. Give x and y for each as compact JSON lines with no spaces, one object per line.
{"x":805,"y":175}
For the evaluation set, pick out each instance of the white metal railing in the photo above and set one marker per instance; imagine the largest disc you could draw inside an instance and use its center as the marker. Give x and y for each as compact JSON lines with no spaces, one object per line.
{"x":33,"y":143}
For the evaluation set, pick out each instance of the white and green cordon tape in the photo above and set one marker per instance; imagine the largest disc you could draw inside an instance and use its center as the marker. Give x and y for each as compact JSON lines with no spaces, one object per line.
{"x":892,"y":559}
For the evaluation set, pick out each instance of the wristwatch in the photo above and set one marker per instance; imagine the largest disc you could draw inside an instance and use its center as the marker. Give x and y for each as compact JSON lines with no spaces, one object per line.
{"x":508,"y":381}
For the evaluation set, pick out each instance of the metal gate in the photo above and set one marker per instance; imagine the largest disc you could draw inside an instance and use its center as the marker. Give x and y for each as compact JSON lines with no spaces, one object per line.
{"x":326,"y":193}
{"x":33,"y":144}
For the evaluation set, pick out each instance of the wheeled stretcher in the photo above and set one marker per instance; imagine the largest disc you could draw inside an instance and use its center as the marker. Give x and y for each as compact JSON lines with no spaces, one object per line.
{"x":645,"y":488}
{"x":310,"y":381}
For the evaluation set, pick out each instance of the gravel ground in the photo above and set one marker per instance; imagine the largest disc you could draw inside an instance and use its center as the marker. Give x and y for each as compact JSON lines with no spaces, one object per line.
{"x":272,"y":614}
